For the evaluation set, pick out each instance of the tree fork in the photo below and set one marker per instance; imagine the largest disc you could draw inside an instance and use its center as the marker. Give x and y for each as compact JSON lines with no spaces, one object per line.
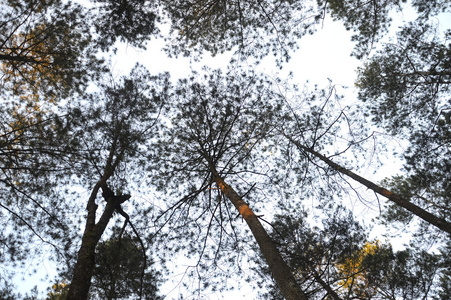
{"x":413,"y":208}
{"x":279,"y":269}
{"x":84,"y":268}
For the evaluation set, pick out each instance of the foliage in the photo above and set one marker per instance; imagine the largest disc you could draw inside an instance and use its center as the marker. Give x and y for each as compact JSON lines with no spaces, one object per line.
{"x":252,"y":28}
{"x":118,"y":271}
{"x":46,"y":49}
{"x":131,"y":21}
{"x":339,"y":254}
{"x":59,"y":291}
{"x":351,"y":268}
{"x":259,"y":28}
{"x":31,"y":176}
{"x":369,"y":19}
{"x":405,"y":87}
{"x":407,"y":274}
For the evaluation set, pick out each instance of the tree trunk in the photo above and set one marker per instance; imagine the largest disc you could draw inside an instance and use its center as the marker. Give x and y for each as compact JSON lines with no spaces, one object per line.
{"x":81,"y":281}
{"x":416,"y":210}
{"x":279,"y":269}
{"x":84,"y":268}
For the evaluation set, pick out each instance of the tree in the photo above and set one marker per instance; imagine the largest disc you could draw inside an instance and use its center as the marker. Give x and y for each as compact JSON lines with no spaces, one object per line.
{"x":326,"y":123}
{"x":216,"y":128}
{"x":441,"y":223}
{"x":405,"y":90}
{"x":124,"y":122}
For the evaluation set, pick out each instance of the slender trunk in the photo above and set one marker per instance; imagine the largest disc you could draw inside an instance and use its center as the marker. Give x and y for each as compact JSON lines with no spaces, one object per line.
{"x":84,"y":268}
{"x":279,"y":269}
{"x":416,"y":210}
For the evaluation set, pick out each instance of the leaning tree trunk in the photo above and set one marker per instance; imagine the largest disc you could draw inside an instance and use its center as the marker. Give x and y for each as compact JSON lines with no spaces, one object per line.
{"x":279,"y":269}
{"x":406,"y":204}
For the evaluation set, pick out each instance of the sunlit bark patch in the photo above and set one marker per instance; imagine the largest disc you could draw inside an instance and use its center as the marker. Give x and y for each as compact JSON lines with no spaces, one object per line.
{"x":245,"y":211}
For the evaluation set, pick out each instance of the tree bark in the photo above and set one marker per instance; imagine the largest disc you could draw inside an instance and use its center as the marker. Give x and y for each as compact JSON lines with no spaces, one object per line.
{"x":416,"y":210}
{"x":279,"y":269}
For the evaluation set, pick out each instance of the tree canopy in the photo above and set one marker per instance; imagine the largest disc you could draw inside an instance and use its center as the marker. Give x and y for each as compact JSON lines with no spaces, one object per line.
{"x":118,"y":179}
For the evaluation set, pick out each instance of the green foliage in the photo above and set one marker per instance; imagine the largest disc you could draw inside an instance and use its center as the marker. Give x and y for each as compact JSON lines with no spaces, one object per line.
{"x":404,"y":83}
{"x":118,"y":271}
{"x":131,"y":21}
{"x":405,"y":87}
{"x":252,"y":28}
{"x":369,"y":19}
{"x":259,"y":28}
{"x":224,"y":117}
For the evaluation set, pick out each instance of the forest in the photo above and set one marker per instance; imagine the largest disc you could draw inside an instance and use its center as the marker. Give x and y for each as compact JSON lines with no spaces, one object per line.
{"x":150,"y":186}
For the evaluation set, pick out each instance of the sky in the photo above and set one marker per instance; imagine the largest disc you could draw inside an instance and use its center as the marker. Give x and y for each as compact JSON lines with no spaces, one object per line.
{"x":322,"y":56}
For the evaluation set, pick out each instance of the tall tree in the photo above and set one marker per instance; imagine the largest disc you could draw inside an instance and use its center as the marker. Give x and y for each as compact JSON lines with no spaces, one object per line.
{"x":405,"y":89}
{"x":115,"y":130}
{"x":216,"y":128}
{"x":440,"y":222}
{"x":323,"y":125}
